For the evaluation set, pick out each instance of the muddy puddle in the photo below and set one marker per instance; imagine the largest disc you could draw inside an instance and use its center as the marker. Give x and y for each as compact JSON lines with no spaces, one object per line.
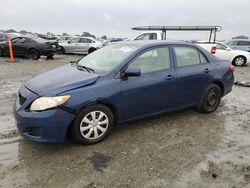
{"x":184,"y":149}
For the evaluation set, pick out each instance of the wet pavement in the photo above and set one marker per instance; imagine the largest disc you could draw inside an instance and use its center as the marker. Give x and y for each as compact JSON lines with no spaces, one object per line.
{"x":181,"y":149}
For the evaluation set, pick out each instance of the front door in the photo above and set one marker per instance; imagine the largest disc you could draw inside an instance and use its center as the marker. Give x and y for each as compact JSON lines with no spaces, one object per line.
{"x":153,"y":91}
{"x":18,"y":46}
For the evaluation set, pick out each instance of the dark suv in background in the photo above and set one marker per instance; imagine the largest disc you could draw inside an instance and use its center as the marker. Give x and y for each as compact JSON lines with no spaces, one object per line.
{"x":239,"y":44}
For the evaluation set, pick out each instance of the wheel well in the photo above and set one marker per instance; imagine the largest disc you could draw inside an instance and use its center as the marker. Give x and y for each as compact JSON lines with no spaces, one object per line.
{"x":33,"y":49}
{"x":110,"y":106}
{"x":240,"y":56}
{"x":62,"y":49}
{"x":218,"y":83}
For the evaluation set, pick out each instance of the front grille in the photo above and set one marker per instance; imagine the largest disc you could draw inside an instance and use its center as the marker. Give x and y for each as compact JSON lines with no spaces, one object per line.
{"x":21,"y":99}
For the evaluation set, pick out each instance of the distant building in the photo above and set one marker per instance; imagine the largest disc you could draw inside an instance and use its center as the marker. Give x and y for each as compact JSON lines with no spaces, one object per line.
{"x":240,"y":37}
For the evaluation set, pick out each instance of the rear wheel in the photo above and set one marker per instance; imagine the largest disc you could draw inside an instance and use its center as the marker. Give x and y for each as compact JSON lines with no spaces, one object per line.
{"x":211,"y":99}
{"x":34,"y":54}
{"x":91,"y":50}
{"x":92,"y":124}
{"x":239,"y":61}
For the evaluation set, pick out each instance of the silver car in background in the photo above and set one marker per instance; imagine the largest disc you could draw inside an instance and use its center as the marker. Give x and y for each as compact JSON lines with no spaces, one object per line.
{"x":81,"y":45}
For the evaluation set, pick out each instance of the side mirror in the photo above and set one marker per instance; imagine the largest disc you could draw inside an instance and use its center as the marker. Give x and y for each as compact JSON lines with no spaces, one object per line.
{"x":228,"y":49}
{"x":132,"y":72}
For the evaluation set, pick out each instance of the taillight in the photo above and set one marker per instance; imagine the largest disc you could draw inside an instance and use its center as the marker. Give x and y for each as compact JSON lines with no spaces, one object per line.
{"x":213,"y":50}
{"x":231,"y":68}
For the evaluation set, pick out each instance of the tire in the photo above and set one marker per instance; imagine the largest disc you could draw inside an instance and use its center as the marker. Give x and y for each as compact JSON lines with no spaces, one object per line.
{"x":34,"y":54}
{"x":239,"y":61}
{"x":210,"y":100}
{"x":62,"y":50}
{"x":50,"y":56}
{"x":85,"y":130}
{"x":91,"y":50}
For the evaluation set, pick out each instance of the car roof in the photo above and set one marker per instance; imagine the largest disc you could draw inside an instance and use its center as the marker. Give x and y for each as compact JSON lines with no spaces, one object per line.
{"x":148,"y":43}
{"x":85,"y":37}
{"x":239,"y":40}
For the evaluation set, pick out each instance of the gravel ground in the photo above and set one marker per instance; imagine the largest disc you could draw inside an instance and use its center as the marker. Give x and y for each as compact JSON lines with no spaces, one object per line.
{"x":181,"y":149}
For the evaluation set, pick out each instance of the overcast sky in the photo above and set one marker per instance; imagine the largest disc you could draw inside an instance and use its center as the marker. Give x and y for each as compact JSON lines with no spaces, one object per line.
{"x":115,"y":18}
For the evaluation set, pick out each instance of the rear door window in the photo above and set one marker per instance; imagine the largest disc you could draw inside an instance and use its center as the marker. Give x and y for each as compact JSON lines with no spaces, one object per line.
{"x":85,"y":40}
{"x":244,"y":43}
{"x":187,"y":56}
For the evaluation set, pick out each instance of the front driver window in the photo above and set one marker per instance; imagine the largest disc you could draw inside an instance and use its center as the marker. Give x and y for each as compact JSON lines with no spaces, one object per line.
{"x":18,"y":40}
{"x":145,"y":36}
{"x":152,"y":60}
{"x":75,"y":40}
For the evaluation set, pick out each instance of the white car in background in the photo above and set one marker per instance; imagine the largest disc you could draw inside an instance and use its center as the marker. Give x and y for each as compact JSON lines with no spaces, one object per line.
{"x":237,"y":57}
{"x":81,"y":45}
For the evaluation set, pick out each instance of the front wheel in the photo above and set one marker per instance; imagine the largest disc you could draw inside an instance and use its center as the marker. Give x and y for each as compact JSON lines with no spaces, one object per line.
{"x":50,"y":56}
{"x":239,"y":61}
{"x":211,"y":99}
{"x":92,"y":124}
{"x":34,"y":54}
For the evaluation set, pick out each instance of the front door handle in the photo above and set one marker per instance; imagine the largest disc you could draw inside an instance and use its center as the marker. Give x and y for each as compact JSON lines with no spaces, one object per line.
{"x":207,"y":70}
{"x":169,"y":77}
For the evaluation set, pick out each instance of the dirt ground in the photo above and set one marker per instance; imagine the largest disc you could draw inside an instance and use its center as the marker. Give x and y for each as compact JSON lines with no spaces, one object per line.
{"x":182,"y":149}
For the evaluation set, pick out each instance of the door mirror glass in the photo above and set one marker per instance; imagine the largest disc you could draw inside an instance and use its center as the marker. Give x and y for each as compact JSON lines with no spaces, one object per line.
{"x":132,"y":72}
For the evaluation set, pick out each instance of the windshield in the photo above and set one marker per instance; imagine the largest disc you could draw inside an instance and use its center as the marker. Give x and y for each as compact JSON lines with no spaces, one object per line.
{"x":107,"y":58}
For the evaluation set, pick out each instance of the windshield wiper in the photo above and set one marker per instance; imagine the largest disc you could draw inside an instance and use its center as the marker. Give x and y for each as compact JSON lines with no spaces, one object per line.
{"x":81,"y":67}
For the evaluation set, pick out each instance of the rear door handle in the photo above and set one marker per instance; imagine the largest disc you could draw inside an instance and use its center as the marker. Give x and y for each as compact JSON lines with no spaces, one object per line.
{"x":207,"y":70}
{"x":169,"y":77}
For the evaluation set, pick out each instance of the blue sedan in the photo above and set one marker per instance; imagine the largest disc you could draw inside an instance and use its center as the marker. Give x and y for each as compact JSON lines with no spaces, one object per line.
{"x":119,"y":83}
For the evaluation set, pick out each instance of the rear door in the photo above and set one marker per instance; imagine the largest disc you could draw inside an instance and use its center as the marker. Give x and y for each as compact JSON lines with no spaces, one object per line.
{"x":244,"y":45}
{"x":193,"y":75}
{"x":153,"y":91}
{"x":85,"y":44}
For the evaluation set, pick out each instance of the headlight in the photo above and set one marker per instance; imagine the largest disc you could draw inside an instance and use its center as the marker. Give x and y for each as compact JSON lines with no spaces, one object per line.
{"x":44,"y":103}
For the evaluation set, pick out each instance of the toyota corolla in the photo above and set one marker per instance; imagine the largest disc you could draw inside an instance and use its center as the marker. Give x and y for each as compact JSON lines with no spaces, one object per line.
{"x":119,"y":83}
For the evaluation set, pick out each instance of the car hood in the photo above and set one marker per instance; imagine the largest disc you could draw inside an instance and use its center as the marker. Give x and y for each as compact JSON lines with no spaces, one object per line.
{"x":59,"y":80}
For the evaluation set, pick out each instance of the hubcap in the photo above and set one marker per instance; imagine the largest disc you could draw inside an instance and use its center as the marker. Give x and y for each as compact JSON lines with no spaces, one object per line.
{"x":239,"y":61}
{"x":211,"y":98}
{"x":94,"y":125}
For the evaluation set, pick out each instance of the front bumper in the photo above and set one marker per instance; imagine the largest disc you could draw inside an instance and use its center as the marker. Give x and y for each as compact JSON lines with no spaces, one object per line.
{"x":47,"y":126}
{"x":51,"y":51}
